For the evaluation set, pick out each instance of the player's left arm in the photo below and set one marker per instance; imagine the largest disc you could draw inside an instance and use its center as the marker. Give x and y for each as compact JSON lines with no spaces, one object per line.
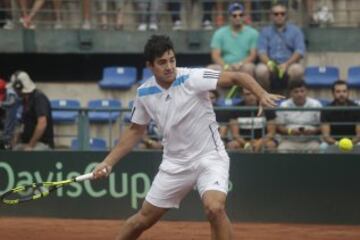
{"x":228,"y":79}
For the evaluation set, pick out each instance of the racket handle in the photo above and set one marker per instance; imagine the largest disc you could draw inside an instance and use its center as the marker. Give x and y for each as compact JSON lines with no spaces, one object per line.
{"x":84,"y":177}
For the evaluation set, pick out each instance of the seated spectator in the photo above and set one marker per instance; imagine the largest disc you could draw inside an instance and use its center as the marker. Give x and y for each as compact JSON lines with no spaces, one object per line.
{"x":104,"y":10}
{"x":175,"y":7}
{"x":7,"y":15}
{"x":36,"y":118}
{"x":280,"y":48}
{"x":148,"y":14}
{"x":9,"y":102}
{"x":222,"y":117}
{"x":28,"y":17}
{"x":299,"y":129}
{"x":252,"y":132}
{"x":152,"y":139}
{"x":233,"y":47}
{"x":336,"y":124}
{"x":86,"y":14}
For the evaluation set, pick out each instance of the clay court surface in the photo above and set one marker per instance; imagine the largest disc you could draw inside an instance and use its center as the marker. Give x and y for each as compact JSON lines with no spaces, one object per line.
{"x":58,"y":229}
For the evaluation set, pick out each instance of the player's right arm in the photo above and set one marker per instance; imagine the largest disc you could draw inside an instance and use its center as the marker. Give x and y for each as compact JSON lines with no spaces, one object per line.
{"x":127,"y":141}
{"x":228,"y":79}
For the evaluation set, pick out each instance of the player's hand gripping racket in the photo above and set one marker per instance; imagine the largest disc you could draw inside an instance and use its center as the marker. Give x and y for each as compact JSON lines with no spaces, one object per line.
{"x":36,"y":191}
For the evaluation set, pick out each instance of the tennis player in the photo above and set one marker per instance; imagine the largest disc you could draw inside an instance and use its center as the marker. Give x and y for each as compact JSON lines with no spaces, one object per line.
{"x":177,"y":99}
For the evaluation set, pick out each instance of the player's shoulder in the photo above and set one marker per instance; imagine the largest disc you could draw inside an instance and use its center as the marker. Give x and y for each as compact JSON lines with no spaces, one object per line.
{"x":250,"y":29}
{"x":149,"y":87}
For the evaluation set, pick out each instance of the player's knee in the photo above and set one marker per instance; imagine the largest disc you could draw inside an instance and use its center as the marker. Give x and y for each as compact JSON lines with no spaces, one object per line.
{"x":215,"y":211}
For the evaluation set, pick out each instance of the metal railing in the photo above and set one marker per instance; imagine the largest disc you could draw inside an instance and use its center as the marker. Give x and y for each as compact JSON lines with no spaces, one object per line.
{"x":83,"y":120}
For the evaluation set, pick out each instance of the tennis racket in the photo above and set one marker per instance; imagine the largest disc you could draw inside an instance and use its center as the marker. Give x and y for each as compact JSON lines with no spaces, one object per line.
{"x":36,"y":191}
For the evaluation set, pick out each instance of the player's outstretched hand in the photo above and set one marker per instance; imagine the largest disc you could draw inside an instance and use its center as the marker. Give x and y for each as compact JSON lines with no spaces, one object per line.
{"x":102,"y":170}
{"x":268,"y":100}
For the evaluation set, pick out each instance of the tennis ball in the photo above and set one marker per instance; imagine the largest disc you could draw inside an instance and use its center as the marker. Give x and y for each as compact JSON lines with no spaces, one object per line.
{"x":345,"y":144}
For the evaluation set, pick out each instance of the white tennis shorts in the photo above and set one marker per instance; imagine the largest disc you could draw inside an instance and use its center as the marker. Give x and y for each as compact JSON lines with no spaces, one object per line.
{"x":174,"y":181}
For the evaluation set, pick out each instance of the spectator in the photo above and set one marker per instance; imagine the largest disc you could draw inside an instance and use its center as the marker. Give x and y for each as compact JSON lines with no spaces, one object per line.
{"x":37,"y":131}
{"x":7,"y":15}
{"x":148,"y":12}
{"x":119,"y":6}
{"x":10,"y":102}
{"x":28,"y":17}
{"x":252,"y":132}
{"x":86,"y":14}
{"x":337,"y":124}
{"x":222,"y":117}
{"x":299,"y":128}
{"x":233,"y":47}
{"x":152,"y":139}
{"x":280,"y":48}
{"x":175,"y":8}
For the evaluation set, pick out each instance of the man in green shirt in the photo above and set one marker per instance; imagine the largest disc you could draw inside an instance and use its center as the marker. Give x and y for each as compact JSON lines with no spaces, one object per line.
{"x":233,"y":47}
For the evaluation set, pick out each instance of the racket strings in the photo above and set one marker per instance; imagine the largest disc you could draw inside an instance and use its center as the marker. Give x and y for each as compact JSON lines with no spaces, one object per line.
{"x":28,"y":192}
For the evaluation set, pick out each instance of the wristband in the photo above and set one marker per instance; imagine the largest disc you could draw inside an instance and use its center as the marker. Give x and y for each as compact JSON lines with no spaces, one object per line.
{"x":226,"y":66}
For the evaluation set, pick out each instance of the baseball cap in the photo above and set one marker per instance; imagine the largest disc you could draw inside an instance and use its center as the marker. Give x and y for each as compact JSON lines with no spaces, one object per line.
{"x":21,"y":80}
{"x":235,"y":7}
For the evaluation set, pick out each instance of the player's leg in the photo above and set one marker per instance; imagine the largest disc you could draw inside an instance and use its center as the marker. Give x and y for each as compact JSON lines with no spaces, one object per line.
{"x":214,"y":204}
{"x":138,"y":223}
{"x":212,"y":184}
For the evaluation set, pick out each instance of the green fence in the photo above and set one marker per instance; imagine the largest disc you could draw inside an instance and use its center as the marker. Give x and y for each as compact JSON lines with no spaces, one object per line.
{"x":264,"y":187}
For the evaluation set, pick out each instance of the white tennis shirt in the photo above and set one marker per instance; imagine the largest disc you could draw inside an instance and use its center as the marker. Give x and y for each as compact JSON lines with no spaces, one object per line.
{"x":183,"y":113}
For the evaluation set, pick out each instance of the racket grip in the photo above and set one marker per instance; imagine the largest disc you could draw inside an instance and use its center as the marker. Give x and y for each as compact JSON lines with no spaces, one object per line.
{"x":84,"y":177}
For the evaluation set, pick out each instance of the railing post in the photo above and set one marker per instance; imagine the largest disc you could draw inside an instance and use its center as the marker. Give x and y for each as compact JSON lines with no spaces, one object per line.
{"x":83,"y":130}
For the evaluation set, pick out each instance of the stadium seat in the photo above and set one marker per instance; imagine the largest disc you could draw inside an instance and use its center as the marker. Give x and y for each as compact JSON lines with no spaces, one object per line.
{"x":103,"y":116}
{"x":146,"y":74}
{"x":127,"y":115}
{"x":65,"y":116}
{"x":95,"y":144}
{"x":316,"y":76}
{"x":354,"y":76}
{"x":118,"y":77}
{"x":228,"y":102}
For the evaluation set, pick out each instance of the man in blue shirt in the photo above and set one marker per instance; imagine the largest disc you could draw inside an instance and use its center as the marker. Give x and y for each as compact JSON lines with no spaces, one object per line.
{"x":280,"y":48}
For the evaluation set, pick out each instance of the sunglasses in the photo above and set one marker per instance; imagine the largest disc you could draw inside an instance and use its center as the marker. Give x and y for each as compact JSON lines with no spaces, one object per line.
{"x":279,"y":13}
{"x":237,"y":15}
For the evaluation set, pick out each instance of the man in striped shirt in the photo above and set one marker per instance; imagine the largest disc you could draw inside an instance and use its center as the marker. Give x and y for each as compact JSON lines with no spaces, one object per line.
{"x":177,"y":99}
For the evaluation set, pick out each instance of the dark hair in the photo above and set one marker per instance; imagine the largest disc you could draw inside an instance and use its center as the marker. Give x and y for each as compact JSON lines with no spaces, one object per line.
{"x":338,"y":82}
{"x":156,"y":46}
{"x":296,"y":83}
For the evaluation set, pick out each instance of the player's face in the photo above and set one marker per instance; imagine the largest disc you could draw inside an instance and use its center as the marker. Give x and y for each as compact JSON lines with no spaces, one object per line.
{"x":278,"y":15}
{"x":341,"y":93}
{"x":299,"y":95}
{"x":164,"y":69}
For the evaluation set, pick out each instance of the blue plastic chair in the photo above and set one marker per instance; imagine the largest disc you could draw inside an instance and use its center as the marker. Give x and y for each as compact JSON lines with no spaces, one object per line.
{"x":354,"y":76}
{"x":65,"y":116}
{"x":118,"y":77}
{"x":95,"y":144}
{"x":103,"y":116}
{"x":316,"y":76}
{"x":228,"y":102}
{"x":146,"y":74}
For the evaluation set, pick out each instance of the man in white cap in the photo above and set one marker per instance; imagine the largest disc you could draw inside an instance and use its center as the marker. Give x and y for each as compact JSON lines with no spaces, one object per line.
{"x":37,"y":131}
